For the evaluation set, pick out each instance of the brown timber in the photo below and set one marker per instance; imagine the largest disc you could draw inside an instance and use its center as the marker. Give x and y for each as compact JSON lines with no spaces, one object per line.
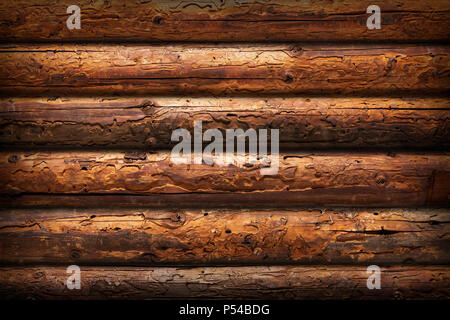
{"x":149,"y":122}
{"x":277,"y":282}
{"x":279,"y":20}
{"x":223,"y":69}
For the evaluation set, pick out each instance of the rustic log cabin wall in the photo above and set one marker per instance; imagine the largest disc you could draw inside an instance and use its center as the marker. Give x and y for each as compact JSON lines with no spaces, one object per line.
{"x":87,"y":118}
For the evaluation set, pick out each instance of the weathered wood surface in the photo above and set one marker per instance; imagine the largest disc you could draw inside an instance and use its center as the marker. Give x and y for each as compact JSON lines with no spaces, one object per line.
{"x":224,"y":237}
{"x":149,"y":122}
{"x":329,"y":179}
{"x":280,"y":282}
{"x":54,"y":70}
{"x":280,"y":20}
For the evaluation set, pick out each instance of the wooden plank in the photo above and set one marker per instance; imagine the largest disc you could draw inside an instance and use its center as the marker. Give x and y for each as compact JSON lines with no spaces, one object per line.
{"x":149,"y":122}
{"x":280,"y":282}
{"x":279,"y":20}
{"x":224,"y":237}
{"x":88,"y":70}
{"x":308,"y":178}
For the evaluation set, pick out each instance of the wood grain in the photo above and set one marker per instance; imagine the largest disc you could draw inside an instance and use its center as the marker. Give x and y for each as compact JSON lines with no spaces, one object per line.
{"x":279,"y":20}
{"x":86,"y":118}
{"x":149,"y":122}
{"x":310,"y":179}
{"x":245,"y":69}
{"x":224,"y":237}
{"x":281,"y":282}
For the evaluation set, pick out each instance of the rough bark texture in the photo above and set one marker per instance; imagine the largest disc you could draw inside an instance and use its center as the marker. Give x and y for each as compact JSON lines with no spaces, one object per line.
{"x":222,"y":69}
{"x":280,"y":20}
{"x":283,"y":282}
{"x":225,"y":237}
{"x":149,"y":122}
{"x":339,"y":179}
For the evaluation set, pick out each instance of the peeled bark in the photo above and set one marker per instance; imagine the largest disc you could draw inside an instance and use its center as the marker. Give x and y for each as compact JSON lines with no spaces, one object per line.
{"x":224,"y":237}
{"x":54,"y":70}
{"x":280,"y":20}
{"x":83,"y":179}
{"x":310,"y":179}
{"x":280,"y":282}
{"x":149,"y":122}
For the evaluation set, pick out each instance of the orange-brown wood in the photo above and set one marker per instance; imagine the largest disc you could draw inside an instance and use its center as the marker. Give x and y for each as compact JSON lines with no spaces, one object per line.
{"x":280,"y":282}
{"x":279,"y":20}
{"x":93,"y":70}
{"x":179,"y":237}
{"x":325,"y":122}
{"x":339,"y":179}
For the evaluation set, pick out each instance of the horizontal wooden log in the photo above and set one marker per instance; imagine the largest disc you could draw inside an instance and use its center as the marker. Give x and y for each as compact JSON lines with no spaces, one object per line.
{"x":310,"y":179}
{"x":281,"y":282}
{"x":222,"y":69}
{"x":224,"y":237}
{"x":149,"y":122}
{"x":280,"y":20}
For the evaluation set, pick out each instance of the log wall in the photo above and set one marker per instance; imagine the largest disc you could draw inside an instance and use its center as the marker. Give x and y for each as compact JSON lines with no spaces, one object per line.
{"x":184,"y":237}
{"x":269,"y":282}
{"x":304,"y":123}
{"x":87,"y":178}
